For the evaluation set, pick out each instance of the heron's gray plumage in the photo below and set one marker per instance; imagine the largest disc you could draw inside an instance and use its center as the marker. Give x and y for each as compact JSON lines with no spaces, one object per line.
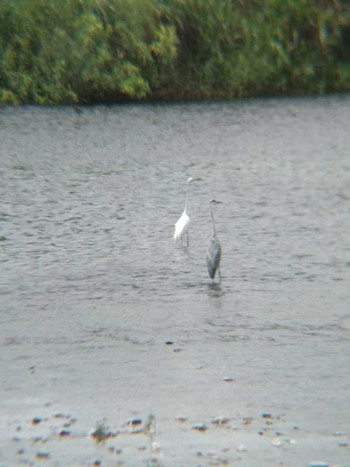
{"x":213,"y":256}
{"x":214,"y":248}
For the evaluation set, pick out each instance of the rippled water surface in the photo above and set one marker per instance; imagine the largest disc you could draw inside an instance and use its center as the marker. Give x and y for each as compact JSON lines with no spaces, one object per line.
{"x":91,"y":276}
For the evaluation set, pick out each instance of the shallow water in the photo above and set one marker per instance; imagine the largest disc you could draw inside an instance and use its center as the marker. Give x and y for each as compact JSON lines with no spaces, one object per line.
{"x":92,"y":284}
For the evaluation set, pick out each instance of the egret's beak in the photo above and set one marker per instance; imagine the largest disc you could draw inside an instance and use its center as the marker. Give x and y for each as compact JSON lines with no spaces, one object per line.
{"x":193,"y":179}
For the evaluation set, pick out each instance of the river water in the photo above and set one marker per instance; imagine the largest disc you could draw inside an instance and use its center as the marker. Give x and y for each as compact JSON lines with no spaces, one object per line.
{"x":104,"y":316}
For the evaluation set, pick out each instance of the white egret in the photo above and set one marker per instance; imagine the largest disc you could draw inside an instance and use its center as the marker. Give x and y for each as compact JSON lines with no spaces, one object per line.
{"x":181,"y":226}
{"x":214,"y":248}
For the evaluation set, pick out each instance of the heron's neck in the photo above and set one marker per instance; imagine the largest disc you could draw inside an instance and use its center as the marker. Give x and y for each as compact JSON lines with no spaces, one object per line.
{"x":213,"y":220}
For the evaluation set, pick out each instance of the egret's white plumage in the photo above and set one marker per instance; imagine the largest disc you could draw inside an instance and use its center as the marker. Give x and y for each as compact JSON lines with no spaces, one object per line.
{"x":181,"y":226}
{"x":214,"y":248}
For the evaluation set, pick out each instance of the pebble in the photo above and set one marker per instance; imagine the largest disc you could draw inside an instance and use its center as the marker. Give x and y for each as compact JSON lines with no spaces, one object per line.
{"x":155,"y":446}
{"x":200,"y":427}
{"x":247,"y":421}
{"x":69,"y":423}
{"x":277,"y":442}
{"x":36,"y":420}
{"x":42,"y":455}
{"x":221,"y":420}
{"x":228,"y":379}
{"x":241,"y":448}
{"x":61,"y":415}
{"x":135,"y":421}
{"x":153,"y":462}
{"x":181,"y":418}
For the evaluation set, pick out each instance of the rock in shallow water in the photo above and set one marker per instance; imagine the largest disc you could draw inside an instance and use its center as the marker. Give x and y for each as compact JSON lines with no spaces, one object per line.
{"x":200,"y":427}
{"x":277,"y":442}
{"x":221,"y":420}
{"x":181,"y":418}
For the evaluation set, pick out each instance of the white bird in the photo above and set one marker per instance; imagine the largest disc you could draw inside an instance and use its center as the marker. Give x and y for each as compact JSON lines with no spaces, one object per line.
{"x":181,"y":226}
{"x":214,"y":248}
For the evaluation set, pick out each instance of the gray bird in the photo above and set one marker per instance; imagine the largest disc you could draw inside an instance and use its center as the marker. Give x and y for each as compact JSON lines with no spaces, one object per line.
{"x":214,"y":248}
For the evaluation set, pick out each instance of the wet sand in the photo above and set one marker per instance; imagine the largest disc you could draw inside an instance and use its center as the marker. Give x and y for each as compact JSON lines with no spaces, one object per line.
{"x":92,"y":409}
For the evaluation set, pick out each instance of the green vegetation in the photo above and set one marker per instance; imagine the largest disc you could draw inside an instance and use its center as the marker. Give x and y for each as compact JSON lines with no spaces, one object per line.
{"x":101,"y":433}
{"x":87,"y":51}
{"x":150,"y":425}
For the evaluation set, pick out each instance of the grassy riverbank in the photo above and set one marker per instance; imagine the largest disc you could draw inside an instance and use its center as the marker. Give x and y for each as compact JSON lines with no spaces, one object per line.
{"x":75,"y":51}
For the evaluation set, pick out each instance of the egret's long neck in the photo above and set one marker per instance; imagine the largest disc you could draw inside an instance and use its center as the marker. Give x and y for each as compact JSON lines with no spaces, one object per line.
{"x":187,"y":196}
{"x":213,"y":220}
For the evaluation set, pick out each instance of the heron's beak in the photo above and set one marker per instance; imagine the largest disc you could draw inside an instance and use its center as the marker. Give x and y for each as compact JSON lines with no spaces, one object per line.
{"x":214,"y":201}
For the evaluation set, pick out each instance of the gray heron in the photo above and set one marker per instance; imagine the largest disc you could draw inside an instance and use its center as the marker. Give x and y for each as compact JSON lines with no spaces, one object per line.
{"x":181,"y":226}
{"x":214,"y":248}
